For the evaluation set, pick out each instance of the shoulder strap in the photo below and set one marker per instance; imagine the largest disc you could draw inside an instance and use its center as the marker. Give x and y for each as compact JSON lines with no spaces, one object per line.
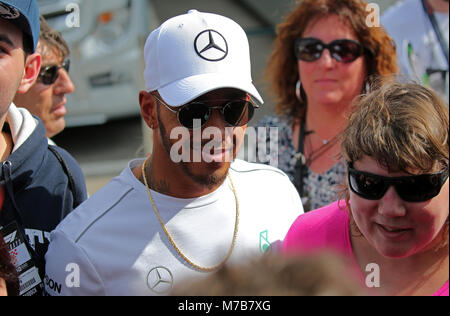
{"x":300,"y":163}
{"x":67,"y":172}
{"x":429,"y":11}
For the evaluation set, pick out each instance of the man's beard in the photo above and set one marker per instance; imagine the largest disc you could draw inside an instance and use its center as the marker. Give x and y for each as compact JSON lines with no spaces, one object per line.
{"x":210,"y":180}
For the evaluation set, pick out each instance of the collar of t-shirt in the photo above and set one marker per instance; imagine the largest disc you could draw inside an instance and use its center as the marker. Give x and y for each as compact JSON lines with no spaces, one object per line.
{"x":177,"y":203}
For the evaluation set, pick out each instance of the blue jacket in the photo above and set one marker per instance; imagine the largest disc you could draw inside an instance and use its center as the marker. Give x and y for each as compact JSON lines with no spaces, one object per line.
{"x":38,"y":189}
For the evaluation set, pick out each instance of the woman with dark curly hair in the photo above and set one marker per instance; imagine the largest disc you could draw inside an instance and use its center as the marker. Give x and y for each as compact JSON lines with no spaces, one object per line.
{"x":9,"y":282}
{"x":325,"y":56}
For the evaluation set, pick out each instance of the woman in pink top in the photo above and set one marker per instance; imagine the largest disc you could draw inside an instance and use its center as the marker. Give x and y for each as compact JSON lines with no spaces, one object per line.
{"x":394,"y":221}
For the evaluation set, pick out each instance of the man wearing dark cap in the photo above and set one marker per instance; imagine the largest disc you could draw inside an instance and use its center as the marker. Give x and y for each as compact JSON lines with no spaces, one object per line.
{"x":39,"y":184}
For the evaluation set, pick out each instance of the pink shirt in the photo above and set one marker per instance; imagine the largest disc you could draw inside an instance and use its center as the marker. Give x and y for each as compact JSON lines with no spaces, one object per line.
{"x":328,"y":228}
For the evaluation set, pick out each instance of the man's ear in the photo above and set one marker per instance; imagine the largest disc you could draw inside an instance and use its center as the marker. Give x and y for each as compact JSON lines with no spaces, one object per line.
{"x":149,"y":109}
{"x":31,"y":72}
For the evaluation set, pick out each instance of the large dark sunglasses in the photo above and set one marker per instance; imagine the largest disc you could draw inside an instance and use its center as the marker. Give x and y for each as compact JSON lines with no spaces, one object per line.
{"x":343,"y":50}
{"x":418,"y":188}
{"x":48,"y":75}
{"x":234,"y":112}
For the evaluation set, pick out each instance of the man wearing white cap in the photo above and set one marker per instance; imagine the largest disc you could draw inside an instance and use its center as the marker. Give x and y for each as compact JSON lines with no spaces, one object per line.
{"x":166,"y":218}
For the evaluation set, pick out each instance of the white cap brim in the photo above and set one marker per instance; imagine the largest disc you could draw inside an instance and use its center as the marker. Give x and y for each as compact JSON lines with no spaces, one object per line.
{"x":185,"y":90}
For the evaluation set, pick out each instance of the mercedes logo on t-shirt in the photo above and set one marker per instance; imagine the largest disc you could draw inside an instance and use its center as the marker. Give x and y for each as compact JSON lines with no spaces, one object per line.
{"x":211,"y":45}
{"x":160,"y":280}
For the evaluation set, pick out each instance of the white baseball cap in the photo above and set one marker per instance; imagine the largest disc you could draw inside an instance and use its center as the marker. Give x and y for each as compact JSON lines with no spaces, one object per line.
{"x":195,"y":53}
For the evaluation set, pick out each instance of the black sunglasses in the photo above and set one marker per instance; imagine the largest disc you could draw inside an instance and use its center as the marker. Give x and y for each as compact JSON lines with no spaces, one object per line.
{"x":418,"y":188}
{"x":234,"y":112}
{"x":48,"y":75}
{"x":343,"y":50}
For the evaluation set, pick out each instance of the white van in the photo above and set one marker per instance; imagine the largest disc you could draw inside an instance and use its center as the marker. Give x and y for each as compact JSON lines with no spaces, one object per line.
{"x":106,"y":39}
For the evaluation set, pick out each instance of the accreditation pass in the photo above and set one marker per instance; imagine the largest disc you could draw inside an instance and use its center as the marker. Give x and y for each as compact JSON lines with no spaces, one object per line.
{"x":30,"y":282}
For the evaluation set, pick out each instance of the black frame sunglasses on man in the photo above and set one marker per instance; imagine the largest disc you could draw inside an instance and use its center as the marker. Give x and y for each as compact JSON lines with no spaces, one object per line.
{"x":415,"y":188}
{"x":49,"y":74}
{"x":236,"y":113}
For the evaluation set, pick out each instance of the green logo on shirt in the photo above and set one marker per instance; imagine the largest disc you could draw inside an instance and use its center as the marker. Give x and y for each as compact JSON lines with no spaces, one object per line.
{"x":264,"y":244}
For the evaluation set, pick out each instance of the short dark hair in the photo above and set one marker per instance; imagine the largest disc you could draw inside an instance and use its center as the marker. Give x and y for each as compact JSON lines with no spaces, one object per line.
{"x":7,"y":270}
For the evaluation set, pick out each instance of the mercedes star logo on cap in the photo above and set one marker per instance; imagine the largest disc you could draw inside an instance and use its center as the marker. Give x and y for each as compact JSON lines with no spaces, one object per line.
{"x":211,"y":45}
{"x":160,"y":280}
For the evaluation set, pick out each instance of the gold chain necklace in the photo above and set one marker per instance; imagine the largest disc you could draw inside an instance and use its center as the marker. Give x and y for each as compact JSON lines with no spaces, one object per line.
{"x":196,"y":266}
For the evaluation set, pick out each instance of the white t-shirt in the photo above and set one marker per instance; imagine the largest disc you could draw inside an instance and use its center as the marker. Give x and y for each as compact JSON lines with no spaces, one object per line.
{"x":113,"y":244}
{"x":407,"y":23}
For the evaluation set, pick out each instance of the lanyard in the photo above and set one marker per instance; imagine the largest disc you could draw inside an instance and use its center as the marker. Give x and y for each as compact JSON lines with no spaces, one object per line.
{"x":429,"y":11}
{"x":2,"y":197}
